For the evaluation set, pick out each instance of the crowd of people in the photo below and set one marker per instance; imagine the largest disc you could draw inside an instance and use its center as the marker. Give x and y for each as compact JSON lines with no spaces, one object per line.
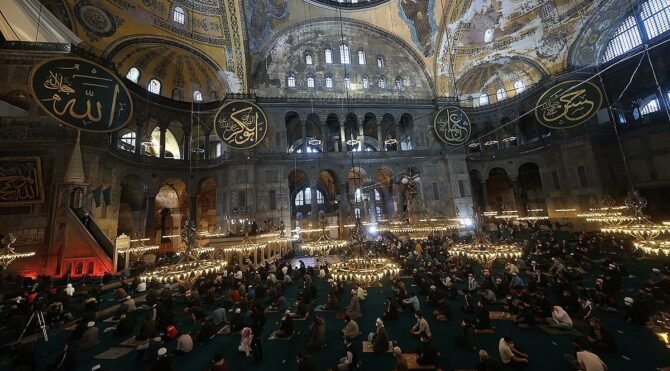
{"x":548,"y":287}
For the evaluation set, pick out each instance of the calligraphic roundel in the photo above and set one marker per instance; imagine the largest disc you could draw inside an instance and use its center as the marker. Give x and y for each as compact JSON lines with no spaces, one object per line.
{"x":452,"y":126}
{"x":568,"y":104}
{"x":81,"y":94}
{"x":241,"y":124}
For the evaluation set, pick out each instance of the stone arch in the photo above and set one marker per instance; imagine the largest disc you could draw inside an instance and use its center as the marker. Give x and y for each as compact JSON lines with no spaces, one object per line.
{"x":132,"y":206}
{"x":293,"y":131}
{"x":206,"y":204}
{"x":500,"y":192}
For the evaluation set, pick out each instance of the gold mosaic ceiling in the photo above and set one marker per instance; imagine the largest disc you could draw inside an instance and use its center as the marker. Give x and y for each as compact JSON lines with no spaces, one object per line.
{"x":226,"y":37}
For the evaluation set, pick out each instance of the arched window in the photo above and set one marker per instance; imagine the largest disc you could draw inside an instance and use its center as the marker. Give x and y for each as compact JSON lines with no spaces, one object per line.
{"x":304,"y":197}
{"x":154,"y":86}
{"x":379,"y":213}
{"x":626,"y":37}
{"x":361,"y":57}
{"x":651,"y":107}
{"x":308,"y":59}
{"x":178,"y":15}
{"x":357,"y":213}
{"x":329,"y":82}
{"x":218,"y":149}
{"x":319,"y":197}
{"x":345,"y":58}
{"x":127,"y":141}
{"x":501,"y":94}
{"x":347,"y":82}
{"x":197,"y":96}
{"x":310,"y":82}
{"x":91,"y":268}
{"x":291,"y":81}
{"x":366,"y":82}
{"x":358,"y":195}
{"x":398,"y":83}
{"x":519,"y":86}
{"x":655,"y":16}
{"x":382,"y":82}
{"x":380,"y":62}
{"x":378,"y":196}
{"x":176,"y":94}
{"x":483,"y":99}
{"x":79,"y":268}
{"x":488,"y":35}
{"x":329,"y":56}
{"x":133,"y":75}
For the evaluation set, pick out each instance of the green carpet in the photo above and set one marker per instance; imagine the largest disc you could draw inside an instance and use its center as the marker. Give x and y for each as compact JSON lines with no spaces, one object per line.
{"x":641,"y":348}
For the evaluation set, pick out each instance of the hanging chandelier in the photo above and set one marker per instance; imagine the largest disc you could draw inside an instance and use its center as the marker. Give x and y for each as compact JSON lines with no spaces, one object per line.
{"x":138,"y":247}
{"x":324,"y":244}
{"x":533,"y":215}
{"x":641,"y":228}
{"x":361,"y":268}
{"x":190,"y":267}
{"x":606,"y":213}
{"x":8,"y":254}
{"x":482,"y":249}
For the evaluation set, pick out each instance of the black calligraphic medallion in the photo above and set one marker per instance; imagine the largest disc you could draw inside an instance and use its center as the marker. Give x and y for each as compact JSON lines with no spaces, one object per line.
{"x":241,"y":124}
{"x":81,"y":94}
{"x":20,"y":181}
{"x":452,"y":126}
{"x":568,"y":104}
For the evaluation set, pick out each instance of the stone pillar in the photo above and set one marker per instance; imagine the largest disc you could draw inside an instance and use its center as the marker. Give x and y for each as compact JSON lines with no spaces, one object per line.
{"x":150,"y":216}
{"x":485,"y":194}
{"x":139,"y":137}
{"x":380,"y":139}
{"x":206,"y":154}
{"x":361,"y":138}
{"x":303,"y":127}
{"x":324,"y":146}
{"x":343,"y":139}
{"x":344,"y":203}
{"x":186,"y":147}
{"x":397,"y":135}
{"x":162,"y":142}
{"x":315,"y":206}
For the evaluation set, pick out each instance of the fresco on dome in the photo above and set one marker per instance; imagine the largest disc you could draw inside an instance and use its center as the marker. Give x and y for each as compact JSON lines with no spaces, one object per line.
{"x":261,"y":15}
{"x":419,"y":16}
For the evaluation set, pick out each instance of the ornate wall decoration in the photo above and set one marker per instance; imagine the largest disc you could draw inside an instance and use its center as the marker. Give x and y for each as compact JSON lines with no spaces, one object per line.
{"x":20,"y":181}
{"x":241,"y":124}
{"x":81,"y":94}
{"x":568,"y":104}
{"x":551,"y":46}
{"x":452,"y":126}
{"x":261,"y":14}
{"x":97,"y":21}
{"x":420,"y":18}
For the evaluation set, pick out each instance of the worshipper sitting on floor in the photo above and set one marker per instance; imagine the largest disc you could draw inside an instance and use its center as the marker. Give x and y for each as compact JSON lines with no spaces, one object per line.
{"x":350,"y":330}
{"x":219,"y":316}
{"x":412,"y":301}
{"x":354,"y":308}
{"x":443,"y":311}
{"x":124,"y":327}
{"x":525,"y":317}
{"x":237,"y":322}
{"x":285,"y":326}
{"x":317,"y":338}
{"x":332,"y":303}
{"x":559,"y":319}
{"x":351,"y":359}
{"x":219,"y":363}
{"x":400,"y":363}
{"x":509,"y":354}
{"x":468,"y":306}
{"x":467,"y":337}
{"x":599,"y":338}
{"x":482,"y":317}
{"x":90,"y":337}
{"x":184,"y":343}
{"x":486,"y":363}
{"x":379,"y":339}
{"x":427,"y":354}
{"x":433,"y":298}
{"x":421,"y":327}
{"x":164,"y":362}
{"x":147,"y":350}
{"x":300,"y":310}
{"x":361,"y":293}
{"x":245,"y":341}
{"x":634,"y":312}
{"x":207,"y":331}
{"x":584,"y":360}
{"x":390,"y":310}
{"x":278,"y":305}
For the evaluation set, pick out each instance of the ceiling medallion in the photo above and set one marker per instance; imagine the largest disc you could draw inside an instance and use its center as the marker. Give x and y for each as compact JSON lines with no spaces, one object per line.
{"x":97,"y":21}
{"x":241,"y":124}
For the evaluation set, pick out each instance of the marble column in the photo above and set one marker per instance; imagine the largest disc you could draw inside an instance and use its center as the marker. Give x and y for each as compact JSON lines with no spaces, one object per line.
{"x":380,"y":139}
{"x":187,"y":143}
{"x":139,"y":137}
{"x":162,"y":143}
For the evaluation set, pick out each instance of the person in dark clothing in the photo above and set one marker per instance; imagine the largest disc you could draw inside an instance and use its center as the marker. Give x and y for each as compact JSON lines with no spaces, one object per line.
{"x":482,"y":319}
{"x":467,"y":337}
{"x":207,"y":332}
{"x":599,"y":337}
{"x":390,"y":311}
{"x":126,"y":326}
{"x":163,"y":363}
{"x":427,"y":355}
{"x":306,"y":362}
{"x":486,"y":363}
{"x":236,"y":322}
{"x":286,"y":326}
{"x":634,"y":312}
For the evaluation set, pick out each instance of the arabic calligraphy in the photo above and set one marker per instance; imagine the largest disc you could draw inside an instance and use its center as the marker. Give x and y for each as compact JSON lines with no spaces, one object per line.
{"x":568,"y":104}
{"x":20,"y":181}
{"x":452,"y":126}
{"x":81,"y":94}
{"x":241,"y":124}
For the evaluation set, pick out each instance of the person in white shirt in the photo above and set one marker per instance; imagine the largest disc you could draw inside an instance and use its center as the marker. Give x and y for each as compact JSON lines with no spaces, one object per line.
{"x":560,"y":318}
{"x":509,"y":355}
{"x":585,"y":360}
{"x":185,"y":343}
{"x":69,"y":290}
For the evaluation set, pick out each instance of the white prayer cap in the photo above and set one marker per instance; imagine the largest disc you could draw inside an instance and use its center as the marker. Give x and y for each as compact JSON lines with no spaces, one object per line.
{"x":96,"y":367}
{"x":379,"y":320}
{"x":90,"y":324}
{"x":238,"y":310}
{"x":162,"y":352}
